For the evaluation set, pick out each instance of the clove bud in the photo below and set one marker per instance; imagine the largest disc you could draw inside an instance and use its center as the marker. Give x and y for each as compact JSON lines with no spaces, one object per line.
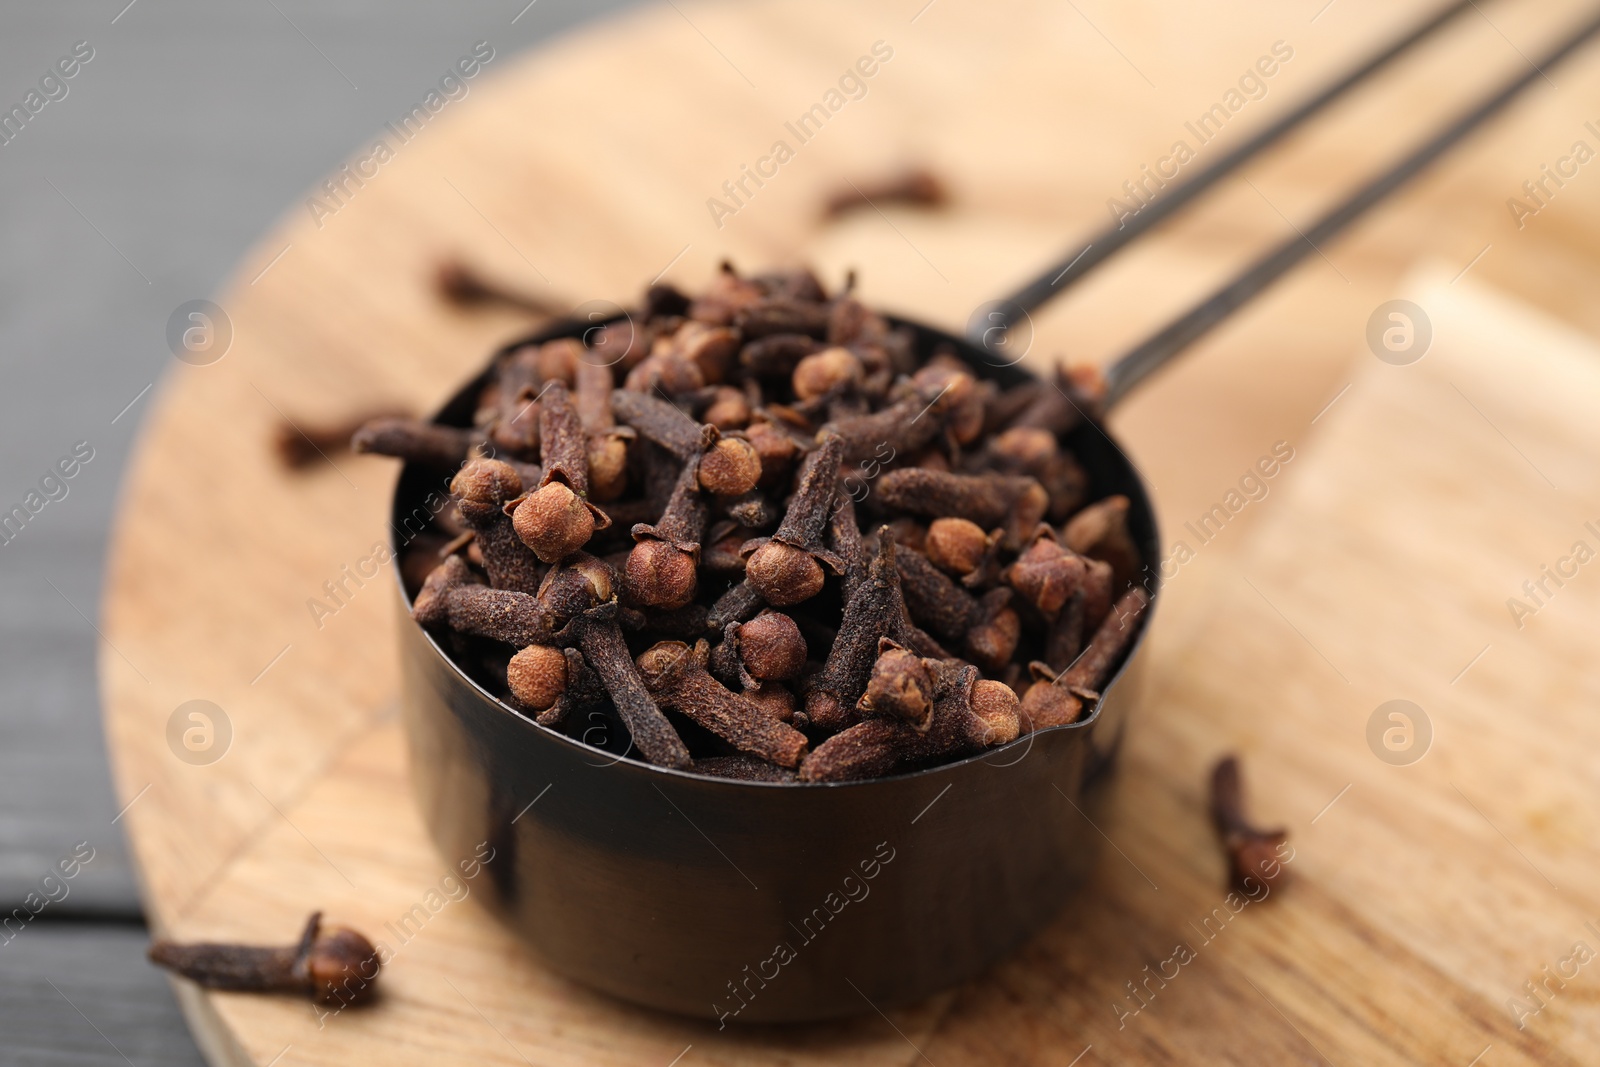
{"x":968,"y":715}
{"x":607,"y":443}
{"x":336,"y":966}
{"x":1058,"y":699}
{"x":1100,"y":531}
{"x":768,"y":648}
{"x":1252,"y":853}
{"x":728,"y":466}
{"x":663,"y":569}
{"x":676,"y":676}
{"x":1046,"y":574}
{"x":787,"y":568}
{"x":901,"y":686}
{"x":557,"y":519}
{"x":989,"y":628}
{"x":481,"y":490}
{"x":450,"y":598}
{"x":956,"y":545}
{"x":988,"y":500}
{"x":874,"y":607}
{"x":538,"y":676}
{"x":597,"y":634}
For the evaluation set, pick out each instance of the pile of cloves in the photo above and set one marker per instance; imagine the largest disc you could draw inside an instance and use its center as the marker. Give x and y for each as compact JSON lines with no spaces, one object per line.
{"x":757,"y":534}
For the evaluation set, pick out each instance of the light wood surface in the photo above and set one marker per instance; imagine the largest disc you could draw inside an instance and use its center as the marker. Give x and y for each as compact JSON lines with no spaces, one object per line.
{"x":1377,"y":567}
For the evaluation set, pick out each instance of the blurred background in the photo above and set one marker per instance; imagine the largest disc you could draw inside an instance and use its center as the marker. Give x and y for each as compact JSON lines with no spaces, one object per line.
{"x":192,"y":130}
{"x":193,"y":127}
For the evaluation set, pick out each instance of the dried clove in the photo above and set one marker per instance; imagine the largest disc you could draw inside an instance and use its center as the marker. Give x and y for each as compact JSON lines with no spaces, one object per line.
{"x":728,"y":466}
{"x":538,"y":676}
{"x":335,"y":966}
{"x":460,"y":284}
{"x":1100,"y":531}
{"x":901,"y":686}
{"x":768,"y":648}
{"x":777,"y":355}
{"x":597,"y":634}
{"x":956,"y":545}
{"x":557,"y":519}
{"x":554,"y":691}
{"x":1059,"y":406}
{"x":832,"y":692}
{"x":685,"y":623}
{"x":991,"y":567}
{"x":663,"y":568}
{"x":608,"y":443}
{"x":481,"y":490}
{"x":988,"y":500}
{"x":721,"y":556}
{"x":916,"y":187}
{"x":780,"y":314}
{"x":903,"y":428}
{"x":825,"y":373}
{"x":657,"y":420}
{"x":450,"y":598}
{"x":514,"y":417}
{"x":729,"y":409}
{"x":751,"y":510}
{"x":969,"y":715}
{"x":774,"y":699}
{"x":416,"y":442}
{"x":950,"y":382}
{"x":1038,"y":454}
{"x":1046,"y":574}
{"x":1063,"y":638}
{"x":1097,"y":592}
{"x":729,"y":294}
{"x":989,"y":627}
{"x":1005,"y":406}
{"x":786,"y":569}
{"x":300,"y":444}
{"x":909,"y":533}
{"x":739,"y":603}
{"x":623,"y":344}
{"x":1253,"y":855}
{"x":676,"y":676}
{"x":710,"y":349}
{"x":1057,"y":699}
{"x":558,"y":360}
{"x":844,"y":538}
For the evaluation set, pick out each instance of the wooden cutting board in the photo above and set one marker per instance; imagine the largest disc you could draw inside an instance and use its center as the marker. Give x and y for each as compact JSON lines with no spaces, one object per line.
{"x":1375,"y":567}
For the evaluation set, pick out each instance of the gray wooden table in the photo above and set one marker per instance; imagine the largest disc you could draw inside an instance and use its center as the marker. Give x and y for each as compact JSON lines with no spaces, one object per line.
{"x":135,"y":186}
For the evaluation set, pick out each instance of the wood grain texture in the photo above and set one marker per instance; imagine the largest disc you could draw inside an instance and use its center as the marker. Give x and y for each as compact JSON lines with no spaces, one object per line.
{"x":1378,"y":568}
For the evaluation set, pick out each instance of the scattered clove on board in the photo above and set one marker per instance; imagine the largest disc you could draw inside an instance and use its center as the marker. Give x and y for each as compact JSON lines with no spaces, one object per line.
{"x":915,"y":186}
{"x":333,"y":966}
{"x":301,"y":444}
{"x":1253,"y":855}
{"x":461,"y":285}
